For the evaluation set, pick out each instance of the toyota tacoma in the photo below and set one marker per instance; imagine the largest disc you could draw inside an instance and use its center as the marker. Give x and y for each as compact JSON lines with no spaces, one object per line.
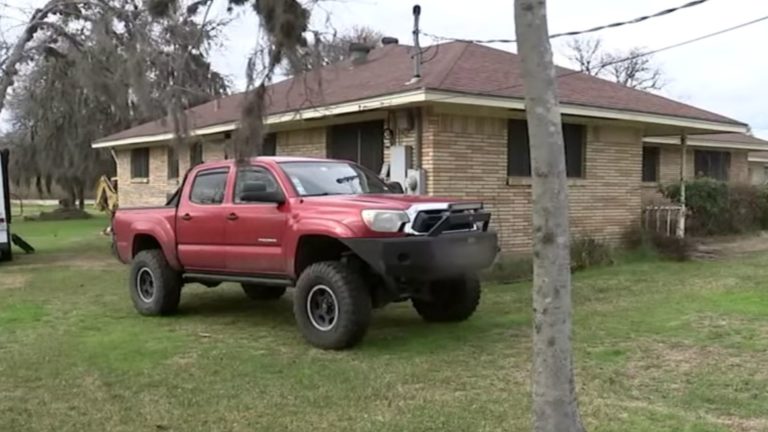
{"x":347,"y":241}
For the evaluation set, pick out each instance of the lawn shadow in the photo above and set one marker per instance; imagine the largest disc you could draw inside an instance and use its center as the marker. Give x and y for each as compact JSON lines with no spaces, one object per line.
{"x":227,"y":306}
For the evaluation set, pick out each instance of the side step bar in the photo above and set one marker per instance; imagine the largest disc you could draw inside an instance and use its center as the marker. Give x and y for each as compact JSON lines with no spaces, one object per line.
{"x":255,"y":280}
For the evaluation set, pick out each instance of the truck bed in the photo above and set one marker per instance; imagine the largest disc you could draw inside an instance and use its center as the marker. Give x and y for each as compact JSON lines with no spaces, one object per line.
{"x":130,"y":222}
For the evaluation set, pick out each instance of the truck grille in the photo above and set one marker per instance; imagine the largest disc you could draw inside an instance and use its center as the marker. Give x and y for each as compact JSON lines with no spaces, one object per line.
{"x":428,"y":219}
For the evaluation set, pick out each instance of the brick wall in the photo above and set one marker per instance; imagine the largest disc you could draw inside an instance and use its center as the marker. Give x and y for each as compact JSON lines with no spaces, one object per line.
{"x":304,"y":142}
{"x":466,"y":157}
{"x":151,"y":191}
{"x":669,"y":170}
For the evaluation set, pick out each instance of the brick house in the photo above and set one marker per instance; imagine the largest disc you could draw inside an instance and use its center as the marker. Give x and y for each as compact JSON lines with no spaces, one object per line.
{"x":724,"y":157}
{"x":464,"y":120}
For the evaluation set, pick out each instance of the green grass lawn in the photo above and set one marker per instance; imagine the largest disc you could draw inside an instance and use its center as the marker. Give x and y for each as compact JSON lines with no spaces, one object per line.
{"x":659,"y":347}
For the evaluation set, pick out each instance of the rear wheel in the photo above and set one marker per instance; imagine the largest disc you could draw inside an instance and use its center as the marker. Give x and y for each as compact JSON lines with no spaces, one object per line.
{"x":450,"y":299}
{"x":155,"y":286}
{"x":332,"y":305}
{"x":261,"y":292}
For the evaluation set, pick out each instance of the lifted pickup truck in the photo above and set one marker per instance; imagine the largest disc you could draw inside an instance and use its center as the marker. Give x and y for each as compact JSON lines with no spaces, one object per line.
{"x":344,"y":239}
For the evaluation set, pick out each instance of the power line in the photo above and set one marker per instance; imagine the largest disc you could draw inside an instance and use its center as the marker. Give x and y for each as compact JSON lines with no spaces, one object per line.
{"x":633,"y":57}
{"x":579,"y":32}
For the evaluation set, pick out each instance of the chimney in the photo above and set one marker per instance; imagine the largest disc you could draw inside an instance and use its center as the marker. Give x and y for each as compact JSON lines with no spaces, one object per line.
{"x":388,"y":40}
{"x":358,"y":52}
{"x":217,"y":104}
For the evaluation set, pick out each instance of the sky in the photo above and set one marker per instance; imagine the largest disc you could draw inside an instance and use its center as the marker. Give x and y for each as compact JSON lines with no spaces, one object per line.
{"x":725,"y":74}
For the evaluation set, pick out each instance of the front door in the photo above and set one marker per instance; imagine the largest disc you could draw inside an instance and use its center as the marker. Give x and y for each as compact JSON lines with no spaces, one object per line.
{"x":358,"y":142}
{"x":255,"y":231}
{"x":200,"y":222}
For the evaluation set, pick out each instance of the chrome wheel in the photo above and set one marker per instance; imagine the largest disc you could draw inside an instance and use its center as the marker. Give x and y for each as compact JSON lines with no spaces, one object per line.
{"x":145,"y":285}
{"x":322,"y":308}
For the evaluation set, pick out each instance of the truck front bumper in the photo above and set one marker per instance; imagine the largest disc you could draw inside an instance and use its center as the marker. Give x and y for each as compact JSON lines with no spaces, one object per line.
{"x":427,"y":257}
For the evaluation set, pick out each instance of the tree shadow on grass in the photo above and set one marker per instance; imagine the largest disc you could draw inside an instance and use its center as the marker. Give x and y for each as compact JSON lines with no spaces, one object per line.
{"x":392,"y":328}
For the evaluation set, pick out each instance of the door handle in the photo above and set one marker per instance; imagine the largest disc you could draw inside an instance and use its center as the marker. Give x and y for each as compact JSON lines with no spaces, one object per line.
{"x":186,"y":217}
{"x":232,"y":216}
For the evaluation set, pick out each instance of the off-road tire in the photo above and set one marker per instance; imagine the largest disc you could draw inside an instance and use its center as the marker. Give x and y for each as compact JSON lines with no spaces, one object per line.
{"x":263,"y":293}
{"x":167,"y":284}
{"x":451,"y":300}
{"x":353,"y":305}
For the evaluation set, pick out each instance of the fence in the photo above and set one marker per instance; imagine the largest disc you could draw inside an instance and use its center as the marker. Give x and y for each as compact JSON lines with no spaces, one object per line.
{"x":661,"y":219}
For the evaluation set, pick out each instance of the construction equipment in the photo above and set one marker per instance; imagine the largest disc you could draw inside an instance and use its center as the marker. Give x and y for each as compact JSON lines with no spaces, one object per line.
{"x":106,"y":195}
{"x":106,"y":198}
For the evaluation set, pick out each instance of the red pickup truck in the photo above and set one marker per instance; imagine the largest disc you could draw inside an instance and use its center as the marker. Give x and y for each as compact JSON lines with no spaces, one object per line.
{"x":347,"y":242}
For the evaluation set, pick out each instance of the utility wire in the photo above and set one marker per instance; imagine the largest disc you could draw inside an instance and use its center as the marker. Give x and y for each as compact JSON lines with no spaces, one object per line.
{"x":578,"y":32}
{"x":626,"y":59}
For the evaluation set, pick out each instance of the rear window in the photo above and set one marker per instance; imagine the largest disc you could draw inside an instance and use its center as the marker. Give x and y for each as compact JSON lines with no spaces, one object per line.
{"x":209,"y":186}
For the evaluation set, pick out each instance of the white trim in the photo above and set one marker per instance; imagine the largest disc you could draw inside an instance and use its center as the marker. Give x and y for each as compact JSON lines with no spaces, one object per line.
{"x":706,"y":143}
{"x":583,"y":111}
{"x":167,"y":136}
{"x":422,"y":96}
{"x":757,"y":159}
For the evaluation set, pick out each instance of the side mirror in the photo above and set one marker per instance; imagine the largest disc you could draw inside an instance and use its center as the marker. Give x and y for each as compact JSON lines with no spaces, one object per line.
{"x":256,"y":192}
{"x":395,"y":187}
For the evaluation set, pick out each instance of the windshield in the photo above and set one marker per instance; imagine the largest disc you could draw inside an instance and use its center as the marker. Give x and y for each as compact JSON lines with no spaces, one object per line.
{"x":332,"y":178}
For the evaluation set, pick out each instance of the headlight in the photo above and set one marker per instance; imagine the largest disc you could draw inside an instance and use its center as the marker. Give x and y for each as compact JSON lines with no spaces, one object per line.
{"x":384,"y":220}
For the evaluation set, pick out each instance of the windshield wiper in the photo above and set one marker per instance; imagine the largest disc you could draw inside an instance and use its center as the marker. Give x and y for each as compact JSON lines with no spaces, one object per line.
{"x":323,"y":194}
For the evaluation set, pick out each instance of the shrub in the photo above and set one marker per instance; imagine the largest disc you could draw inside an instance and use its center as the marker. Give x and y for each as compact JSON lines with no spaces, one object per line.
{"x":509,"y":269}
{"x":707,"y":200}
{"x":589,"y":252}
{"x":719,"y":208}
{"x":651,"y":243}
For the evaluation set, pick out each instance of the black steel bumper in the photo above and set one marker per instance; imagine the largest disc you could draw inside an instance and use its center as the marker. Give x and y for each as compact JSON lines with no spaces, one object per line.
{"x":428,"y":257}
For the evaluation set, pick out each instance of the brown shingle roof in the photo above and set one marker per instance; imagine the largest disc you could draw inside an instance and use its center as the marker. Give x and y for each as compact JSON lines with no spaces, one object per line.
{"x":456,"y":67}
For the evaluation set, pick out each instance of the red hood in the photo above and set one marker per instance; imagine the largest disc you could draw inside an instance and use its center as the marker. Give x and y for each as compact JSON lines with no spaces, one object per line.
{"x":376,"y":201}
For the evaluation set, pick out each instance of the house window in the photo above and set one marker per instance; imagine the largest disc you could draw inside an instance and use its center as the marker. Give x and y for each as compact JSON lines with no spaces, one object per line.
{"x":140,"y":163}
{"x":712,"y":164}
{"x":650,"y":164}
{"x":269,"y":148}
{"x":519,"y":154}
{"x":173,"y":163}
{"x":195,"y":154}
{"x":209,"y":187}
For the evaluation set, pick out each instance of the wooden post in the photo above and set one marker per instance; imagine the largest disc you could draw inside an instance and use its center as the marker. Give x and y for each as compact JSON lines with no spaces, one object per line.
{"x":683,"y":157}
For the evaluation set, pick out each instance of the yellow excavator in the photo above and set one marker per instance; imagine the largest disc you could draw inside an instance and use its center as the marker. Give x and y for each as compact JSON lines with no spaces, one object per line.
{"x":106,"y":198}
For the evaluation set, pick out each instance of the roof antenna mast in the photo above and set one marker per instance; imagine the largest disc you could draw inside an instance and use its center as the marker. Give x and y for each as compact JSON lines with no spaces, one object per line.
{"x":416,"y":46}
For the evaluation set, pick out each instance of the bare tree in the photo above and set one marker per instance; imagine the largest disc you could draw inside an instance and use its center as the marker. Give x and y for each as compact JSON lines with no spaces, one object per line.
{"x":555,"y":407}
{"x":628,"y":68}
{"x":324,"y":50}
{"x":117,"y":67}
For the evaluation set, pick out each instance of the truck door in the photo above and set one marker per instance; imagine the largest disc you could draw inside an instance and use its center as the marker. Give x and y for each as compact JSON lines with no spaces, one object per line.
{"x":200,"y":222}
{"x":255,"y":230}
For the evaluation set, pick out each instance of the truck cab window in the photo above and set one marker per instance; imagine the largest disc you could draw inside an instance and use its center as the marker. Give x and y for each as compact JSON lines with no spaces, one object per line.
{"x":209,"y":187}
{"x":253,"y":175}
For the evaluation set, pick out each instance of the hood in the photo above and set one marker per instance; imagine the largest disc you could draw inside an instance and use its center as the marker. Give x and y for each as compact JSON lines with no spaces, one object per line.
{"x":376,"y":201}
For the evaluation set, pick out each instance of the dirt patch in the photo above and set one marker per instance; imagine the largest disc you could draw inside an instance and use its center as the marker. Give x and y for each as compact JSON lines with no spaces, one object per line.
{"x":729,"y":246}
{"x":12,"y":280}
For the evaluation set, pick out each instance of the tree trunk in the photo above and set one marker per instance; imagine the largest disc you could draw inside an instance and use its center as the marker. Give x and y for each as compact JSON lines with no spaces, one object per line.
{"x":81,"y":195}
{"x":555,"y":408}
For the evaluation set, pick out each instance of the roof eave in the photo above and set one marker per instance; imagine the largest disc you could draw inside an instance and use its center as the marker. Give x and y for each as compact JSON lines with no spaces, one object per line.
{"x":694,"y":142}
{"x":428,"y":95}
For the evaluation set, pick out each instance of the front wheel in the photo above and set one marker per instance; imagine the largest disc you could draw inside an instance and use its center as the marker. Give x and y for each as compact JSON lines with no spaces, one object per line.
{"x":332,"y":306}
{"x":450,"y":299}
{"x":155,"y":286}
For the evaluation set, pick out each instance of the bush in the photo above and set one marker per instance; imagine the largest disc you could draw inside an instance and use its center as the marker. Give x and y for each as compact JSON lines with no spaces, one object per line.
{"x":718,"y":208}
{"x":509,"y":269}
{"x":588,"y":252}
{"x":707,"y":200}
{"x":659,"y":245}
